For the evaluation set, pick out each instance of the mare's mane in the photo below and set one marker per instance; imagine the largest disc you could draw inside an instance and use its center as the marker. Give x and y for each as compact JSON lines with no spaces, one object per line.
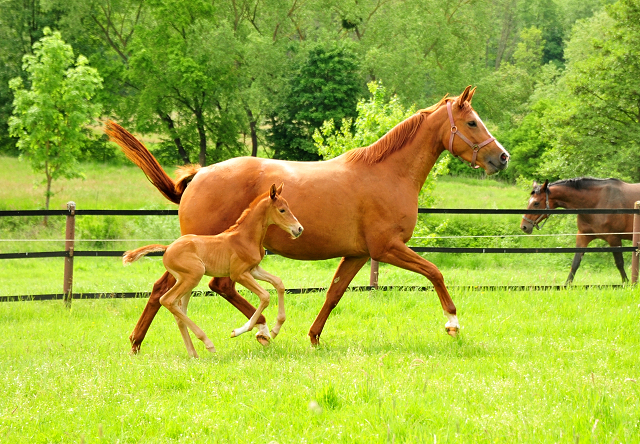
{"x":246,"y":212}
{"x":395,"y":139}
{"x":581,"y":183}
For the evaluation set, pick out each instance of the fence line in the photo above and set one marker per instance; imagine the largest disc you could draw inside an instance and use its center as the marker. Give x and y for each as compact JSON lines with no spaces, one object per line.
{"x":69,"y":253}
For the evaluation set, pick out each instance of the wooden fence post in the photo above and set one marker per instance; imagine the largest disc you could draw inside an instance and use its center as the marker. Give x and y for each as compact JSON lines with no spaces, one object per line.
{"x":69,"y":236}
{"x":634,"y":242}
{"x":373,"y":276}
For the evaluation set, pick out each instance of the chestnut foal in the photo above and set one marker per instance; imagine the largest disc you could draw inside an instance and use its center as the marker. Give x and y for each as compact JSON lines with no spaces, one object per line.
{"x":236,"y":253}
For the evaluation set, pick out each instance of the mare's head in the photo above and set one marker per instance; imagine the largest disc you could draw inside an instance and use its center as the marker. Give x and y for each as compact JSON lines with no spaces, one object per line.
{"x":539,"y":200}
{"x":467,"y":137}
{"x":279,"y":213}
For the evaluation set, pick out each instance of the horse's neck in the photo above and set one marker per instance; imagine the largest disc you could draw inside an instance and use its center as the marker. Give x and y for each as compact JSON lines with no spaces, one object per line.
{"x":254,"y":226}
{"x":416,"y":159}
{"x":568,"y":197}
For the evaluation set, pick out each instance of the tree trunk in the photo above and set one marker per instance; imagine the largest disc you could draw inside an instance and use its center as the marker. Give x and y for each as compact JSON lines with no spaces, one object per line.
{"x":176,"y":139}
{"x":47,"y":198}
{"x":203,"y":139}
{"x":254,"y":134}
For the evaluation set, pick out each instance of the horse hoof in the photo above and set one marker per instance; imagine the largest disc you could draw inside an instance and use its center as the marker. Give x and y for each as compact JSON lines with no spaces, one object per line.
{"x":263,"y":340}
{"x":211,"y":349}
{"x":452,"y":331}
{"x":233,"y":334}
{"x":273,"y":335}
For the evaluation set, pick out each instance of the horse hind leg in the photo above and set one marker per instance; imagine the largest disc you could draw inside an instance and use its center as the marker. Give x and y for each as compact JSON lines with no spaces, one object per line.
{"x":161,"y":286}
{"x":348,"y":268}
{"x":619,"y":259}
{"x":183,"y":327}
{"x":225,"y":287}
{"x":171,"y":300}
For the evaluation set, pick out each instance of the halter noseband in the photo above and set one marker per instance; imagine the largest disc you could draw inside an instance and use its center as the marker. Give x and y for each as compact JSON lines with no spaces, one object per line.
{"x":476,"y":147}
{"x":537,"y":221}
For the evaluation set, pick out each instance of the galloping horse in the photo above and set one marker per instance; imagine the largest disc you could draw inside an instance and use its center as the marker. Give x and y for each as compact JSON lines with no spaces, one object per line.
{"x":361,"y":204}
{"x":587,"y":192}
{"x":235,"y":253}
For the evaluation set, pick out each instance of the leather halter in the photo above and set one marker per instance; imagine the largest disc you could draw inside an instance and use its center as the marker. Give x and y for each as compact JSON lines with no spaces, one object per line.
{"x":545,"y":216}
{"x":476,"y":146}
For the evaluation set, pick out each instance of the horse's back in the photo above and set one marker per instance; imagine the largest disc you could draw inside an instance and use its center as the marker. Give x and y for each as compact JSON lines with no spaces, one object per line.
{"x":333,"y":200}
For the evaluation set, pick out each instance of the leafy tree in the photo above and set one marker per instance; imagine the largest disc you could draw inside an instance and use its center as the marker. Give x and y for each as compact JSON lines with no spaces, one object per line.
{"x":594,"y":124}
{"x":49,"y":118}
{"x":325,"y":86}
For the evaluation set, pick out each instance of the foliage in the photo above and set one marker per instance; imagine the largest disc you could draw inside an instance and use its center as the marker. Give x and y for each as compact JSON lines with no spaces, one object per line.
{"x":50,"y":117}
{"x":593,"y":126}
{"x":325,"y":86}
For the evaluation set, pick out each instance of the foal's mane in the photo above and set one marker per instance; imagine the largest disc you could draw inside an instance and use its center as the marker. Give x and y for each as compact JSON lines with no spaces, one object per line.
{"x":395,"y":139}
{"x":246,"y":212}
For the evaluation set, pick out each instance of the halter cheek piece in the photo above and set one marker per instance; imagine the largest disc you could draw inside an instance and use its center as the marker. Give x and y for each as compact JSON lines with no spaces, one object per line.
{"x":537,"y":221}
{"x":476,"y":147}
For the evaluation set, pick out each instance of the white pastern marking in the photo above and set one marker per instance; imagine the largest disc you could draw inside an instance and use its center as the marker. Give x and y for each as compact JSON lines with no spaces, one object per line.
{"x":453,"y":320}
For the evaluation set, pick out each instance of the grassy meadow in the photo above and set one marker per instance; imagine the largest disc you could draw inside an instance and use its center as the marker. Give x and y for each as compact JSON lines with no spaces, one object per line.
{"x":528,"y":366}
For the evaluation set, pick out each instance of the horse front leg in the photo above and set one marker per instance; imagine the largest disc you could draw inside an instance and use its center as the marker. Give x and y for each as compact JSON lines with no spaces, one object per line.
{"x":161,"y":286}
{"x":618,"y":258}
{"x":582,"y":241}
{"x":183,"y":304}
{"x":249,"y":282}
{"x":400,"y":255}
{"x":226,"y":288}
{"x":348,"y":268}
{"x":261,"y":275}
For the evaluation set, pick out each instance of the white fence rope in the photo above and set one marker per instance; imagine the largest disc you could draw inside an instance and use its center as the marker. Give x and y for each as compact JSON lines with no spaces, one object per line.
{"x":498,"y":236}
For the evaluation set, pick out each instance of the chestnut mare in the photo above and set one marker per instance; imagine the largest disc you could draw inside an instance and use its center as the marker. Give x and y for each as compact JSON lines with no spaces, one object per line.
{"x":587,"y":192}
{"x":360,"y":205}
{"x":235,"y":253}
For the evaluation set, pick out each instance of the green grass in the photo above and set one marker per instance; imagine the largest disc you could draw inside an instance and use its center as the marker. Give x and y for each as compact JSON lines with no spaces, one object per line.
{"x":530,"y":366}
{"x":556,"y":366}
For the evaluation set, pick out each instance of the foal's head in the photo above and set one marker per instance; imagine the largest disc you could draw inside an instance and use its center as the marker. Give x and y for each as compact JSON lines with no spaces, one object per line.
{"x":279,"y":213}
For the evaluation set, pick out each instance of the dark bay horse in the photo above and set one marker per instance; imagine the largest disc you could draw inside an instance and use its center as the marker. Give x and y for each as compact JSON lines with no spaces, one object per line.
{"x":360,"y":205}
{"x":587,"y":192}
{"x":235,"y":253}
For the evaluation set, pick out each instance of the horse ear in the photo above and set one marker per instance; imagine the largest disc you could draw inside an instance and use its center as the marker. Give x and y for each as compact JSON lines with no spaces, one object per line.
{"x":471,"y":93}
{"x":464,"y":97}
{"x":544,"y":185}
{"x":279,"y":190}
{"x":535,"y":184}
{"x":272,"y":191}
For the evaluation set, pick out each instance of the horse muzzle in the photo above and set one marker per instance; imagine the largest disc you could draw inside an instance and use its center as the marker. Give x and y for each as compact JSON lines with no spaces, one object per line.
{"x":296,"y":232}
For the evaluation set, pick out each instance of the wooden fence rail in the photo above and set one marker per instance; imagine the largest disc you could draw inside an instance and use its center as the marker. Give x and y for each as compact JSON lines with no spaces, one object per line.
{"x":71,"y":212}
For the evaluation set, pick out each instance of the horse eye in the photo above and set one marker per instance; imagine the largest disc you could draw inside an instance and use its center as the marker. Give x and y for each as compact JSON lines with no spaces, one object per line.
{"x":536,"y":204}
{"x":472,"y":124}
{"x":282,"y":210}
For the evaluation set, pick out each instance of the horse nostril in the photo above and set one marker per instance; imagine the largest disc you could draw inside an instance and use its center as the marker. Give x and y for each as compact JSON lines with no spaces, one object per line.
{"x":504,"y":157}
{"x":300,"y":229}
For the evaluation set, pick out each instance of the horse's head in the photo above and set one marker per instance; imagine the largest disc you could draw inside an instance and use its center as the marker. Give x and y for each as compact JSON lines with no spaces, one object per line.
{"x":280,"y":214}
{"x":473,"y":143}
{"x":539,"y":200}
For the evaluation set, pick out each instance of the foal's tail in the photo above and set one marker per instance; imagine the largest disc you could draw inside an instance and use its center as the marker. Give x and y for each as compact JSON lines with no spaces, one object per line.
{"x":134,"y":255}
{"x":140,"y":155}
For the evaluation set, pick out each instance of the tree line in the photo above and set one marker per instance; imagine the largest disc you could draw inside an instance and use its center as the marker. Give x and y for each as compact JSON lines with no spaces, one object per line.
{"x":557,"y":79}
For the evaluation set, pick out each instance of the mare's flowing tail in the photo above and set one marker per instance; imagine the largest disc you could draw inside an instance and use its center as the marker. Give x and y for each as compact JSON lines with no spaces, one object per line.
{"x":141,"y":156}
{"x":134,"y":255}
